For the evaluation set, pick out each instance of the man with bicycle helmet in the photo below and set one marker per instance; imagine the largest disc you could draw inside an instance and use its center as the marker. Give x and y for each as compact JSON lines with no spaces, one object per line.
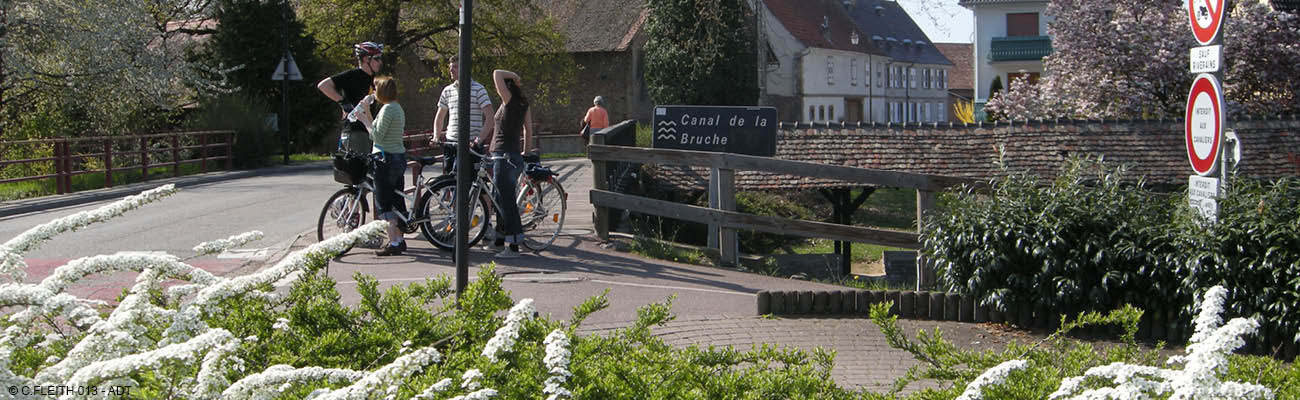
{"x":348,"y":88}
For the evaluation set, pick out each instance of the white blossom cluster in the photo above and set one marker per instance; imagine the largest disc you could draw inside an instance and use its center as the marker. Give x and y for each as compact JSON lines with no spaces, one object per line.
{"x":1199,"y":379}
{"x":481,"y":394}
{"x":993,"y":376}
{"x":256,"y":386}
{"x":470,"y":379}
{"x":505,"y":337}
{"x":112,"y":348}
{"x":220,"y":245}
{"x":116,"y":347}
{"x":387,"y":379}
{"x":557,"y":364}
{"x":434,"y":389}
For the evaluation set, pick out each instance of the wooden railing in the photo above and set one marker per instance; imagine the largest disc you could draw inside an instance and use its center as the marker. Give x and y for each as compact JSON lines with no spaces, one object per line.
{"x":70,"y":156}
{"x":725,"y":216}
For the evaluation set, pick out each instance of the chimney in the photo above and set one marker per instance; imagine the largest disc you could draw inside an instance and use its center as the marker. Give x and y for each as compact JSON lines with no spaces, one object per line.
{"x":880,"y":10}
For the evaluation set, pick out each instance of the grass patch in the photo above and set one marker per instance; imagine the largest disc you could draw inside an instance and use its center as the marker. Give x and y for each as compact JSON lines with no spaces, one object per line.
{"x":46,"y":187}
{"x":661,"y":250}
{"x":644,"y":135}
{"x":862,"y":252}
{"x":294,"y":159}
{"x":560,"y":156}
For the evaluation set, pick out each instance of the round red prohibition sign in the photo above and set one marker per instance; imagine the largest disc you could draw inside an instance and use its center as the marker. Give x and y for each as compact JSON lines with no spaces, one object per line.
{"x":1204,"y":124}
{"x":1207,"y":19}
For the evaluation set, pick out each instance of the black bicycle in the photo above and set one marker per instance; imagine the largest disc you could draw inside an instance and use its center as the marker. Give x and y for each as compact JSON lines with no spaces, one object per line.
{"x":347,"y":208}
{"x":541,"y":200}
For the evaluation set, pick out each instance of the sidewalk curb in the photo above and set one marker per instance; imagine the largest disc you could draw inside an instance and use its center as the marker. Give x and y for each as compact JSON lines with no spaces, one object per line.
{"x":24,"y":206}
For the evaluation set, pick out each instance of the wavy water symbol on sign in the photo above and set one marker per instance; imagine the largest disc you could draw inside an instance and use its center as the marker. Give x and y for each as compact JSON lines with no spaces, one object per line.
{"x":664,"y":128}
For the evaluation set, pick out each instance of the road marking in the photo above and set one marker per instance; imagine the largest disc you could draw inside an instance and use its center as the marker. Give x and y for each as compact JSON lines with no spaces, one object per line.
{"x":246,"y":254}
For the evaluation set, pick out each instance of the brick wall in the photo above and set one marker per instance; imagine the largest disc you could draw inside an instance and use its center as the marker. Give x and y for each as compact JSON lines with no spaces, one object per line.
{"x":1154,"y":149}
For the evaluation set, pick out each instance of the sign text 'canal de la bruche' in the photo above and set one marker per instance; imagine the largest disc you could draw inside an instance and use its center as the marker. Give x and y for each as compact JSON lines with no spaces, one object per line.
{"x":737,"y":130}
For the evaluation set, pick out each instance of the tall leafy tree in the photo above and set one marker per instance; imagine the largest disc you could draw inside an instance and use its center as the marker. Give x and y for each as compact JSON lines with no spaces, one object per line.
{"x":1129,"y":60}
{"x":70,"y":67}
{"x":253,"y":36}
{"x":510,"y":34}
{"x":701,"y":52}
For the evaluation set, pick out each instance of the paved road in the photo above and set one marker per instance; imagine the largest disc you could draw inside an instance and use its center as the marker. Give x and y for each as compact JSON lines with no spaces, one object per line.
{"x":282,"y":202}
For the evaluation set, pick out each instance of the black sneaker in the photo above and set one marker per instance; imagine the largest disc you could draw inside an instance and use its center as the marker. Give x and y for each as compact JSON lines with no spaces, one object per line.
{"x":392,"y":250}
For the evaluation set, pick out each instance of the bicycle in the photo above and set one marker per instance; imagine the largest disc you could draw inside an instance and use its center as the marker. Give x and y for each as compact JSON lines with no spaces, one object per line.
{"x":541,"y":199}
{"x":346,"y":209}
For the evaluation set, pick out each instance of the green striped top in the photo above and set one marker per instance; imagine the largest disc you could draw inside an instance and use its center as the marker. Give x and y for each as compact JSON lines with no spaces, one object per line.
{"x":389,"y":125}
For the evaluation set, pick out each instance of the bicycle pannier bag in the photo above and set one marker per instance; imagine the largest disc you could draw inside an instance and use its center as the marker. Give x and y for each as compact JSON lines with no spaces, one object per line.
{"x":349,"y":168}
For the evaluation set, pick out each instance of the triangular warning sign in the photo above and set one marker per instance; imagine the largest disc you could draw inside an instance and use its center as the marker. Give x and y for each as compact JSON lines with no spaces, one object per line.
{"x":290,"y":72}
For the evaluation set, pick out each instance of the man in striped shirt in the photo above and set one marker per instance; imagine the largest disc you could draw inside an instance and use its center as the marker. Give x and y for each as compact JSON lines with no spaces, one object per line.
{"x":447,"y":121}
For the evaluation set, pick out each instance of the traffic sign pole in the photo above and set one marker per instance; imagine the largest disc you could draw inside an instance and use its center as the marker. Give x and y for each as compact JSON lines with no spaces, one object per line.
{"x":1206,"y":123}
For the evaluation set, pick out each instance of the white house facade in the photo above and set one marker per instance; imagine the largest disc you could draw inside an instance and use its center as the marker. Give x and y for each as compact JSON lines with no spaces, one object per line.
{"x":822,"y":62}
{"x":1010,"y":42}
{"x":913,"y":75}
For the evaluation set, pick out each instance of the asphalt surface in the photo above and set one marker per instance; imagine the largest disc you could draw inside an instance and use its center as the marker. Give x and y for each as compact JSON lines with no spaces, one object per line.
{"x":713,"y":306}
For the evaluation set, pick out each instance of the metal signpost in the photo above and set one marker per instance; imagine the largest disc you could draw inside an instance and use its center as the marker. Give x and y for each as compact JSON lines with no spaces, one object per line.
{"x":463,"y":168}
{"x":285,"y":72}
{"x":1205,"y":122}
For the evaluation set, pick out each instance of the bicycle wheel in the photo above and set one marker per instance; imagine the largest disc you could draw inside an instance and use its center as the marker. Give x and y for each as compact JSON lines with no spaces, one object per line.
{"x":438,"y":204}
{"x":345,"y":210}
{"x":542,"y":211}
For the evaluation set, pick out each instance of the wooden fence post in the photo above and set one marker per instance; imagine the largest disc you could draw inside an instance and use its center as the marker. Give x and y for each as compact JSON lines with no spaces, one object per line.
{"x":600,"y":177}
{"x":230,"y":146}
{"x":108,"y":162}
{"x":203,"y":153}
{"x":714,"y":232}
{"x":728,"y":247}
{"x":176,"y":155}
{"x":925,"y":277}
{"x":144,"y":158}
{"x":60,"y":171}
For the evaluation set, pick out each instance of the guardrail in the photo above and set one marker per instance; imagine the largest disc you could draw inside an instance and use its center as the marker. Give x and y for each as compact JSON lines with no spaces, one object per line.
{"x":725,"y":216}
{"x":70,"y":156}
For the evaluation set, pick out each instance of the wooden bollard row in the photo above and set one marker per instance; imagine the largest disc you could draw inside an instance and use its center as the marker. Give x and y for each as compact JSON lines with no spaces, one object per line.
{"x":941,"y":306}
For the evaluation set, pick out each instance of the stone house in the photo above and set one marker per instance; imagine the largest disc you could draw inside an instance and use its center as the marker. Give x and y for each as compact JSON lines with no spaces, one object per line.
{"x":606,"y":39}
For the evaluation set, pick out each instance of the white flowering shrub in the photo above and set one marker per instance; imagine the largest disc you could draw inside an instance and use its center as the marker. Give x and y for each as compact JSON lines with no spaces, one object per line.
{"x":182,"y":333}
{"x":1059,"y":369}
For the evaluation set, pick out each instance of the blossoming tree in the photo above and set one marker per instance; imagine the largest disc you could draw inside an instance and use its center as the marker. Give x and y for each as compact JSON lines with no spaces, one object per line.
{"x":1130,"y":60}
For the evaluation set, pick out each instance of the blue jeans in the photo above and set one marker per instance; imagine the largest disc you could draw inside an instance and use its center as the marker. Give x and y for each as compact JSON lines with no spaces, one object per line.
{"x":388,"y":169}
{"x":505,"y":174}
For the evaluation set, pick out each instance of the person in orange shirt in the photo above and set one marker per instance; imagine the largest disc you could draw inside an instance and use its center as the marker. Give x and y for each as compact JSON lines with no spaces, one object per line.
{"x":596,"y":117}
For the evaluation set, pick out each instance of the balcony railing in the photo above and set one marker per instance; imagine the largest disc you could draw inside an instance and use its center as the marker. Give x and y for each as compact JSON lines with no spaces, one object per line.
{"x":1020,"y":48}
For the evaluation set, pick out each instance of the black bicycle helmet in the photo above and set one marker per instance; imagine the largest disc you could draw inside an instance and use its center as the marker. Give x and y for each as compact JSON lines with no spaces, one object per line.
{"x":368,"y":49}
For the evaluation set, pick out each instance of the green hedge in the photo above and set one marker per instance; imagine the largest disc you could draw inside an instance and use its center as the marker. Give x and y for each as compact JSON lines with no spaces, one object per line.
{"x":1093,"y":239}
{"x":1253,"y":249}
